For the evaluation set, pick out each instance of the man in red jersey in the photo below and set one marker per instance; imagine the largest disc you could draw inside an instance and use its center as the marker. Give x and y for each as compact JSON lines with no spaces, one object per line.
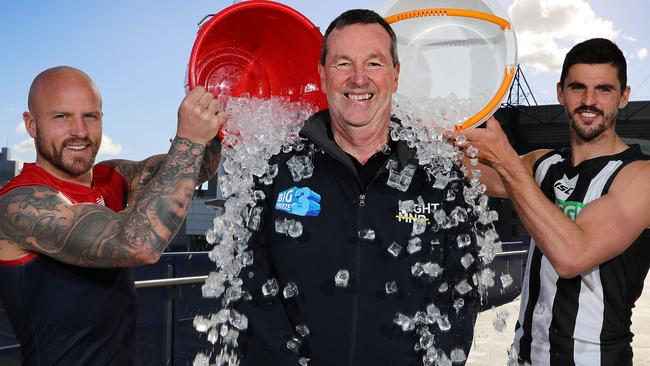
{"x":63,"y":214}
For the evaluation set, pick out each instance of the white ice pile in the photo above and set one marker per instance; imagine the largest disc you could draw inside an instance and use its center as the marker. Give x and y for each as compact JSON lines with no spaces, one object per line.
{"x":255,"y":131}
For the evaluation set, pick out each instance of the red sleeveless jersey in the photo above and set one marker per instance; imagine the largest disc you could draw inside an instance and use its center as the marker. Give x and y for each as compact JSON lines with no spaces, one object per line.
{"x":68,"y":315}
{"x":109,"y":188}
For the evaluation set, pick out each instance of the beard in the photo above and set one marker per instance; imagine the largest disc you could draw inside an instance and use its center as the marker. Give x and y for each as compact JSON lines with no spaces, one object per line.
{"x":73,"y":167}
{"x":587,"y":134}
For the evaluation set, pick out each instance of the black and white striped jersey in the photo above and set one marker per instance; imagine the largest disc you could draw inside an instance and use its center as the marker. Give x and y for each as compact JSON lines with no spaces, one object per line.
{"x":584,"y":320}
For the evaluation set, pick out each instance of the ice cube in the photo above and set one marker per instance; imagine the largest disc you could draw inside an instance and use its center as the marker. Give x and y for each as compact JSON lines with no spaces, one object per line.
{"x":414,"y":245}
{"x":367,"y":234}
{"x":302,"y":330}
{"x":342,"y":277}
{"x":294,"y":229}
{"x":467,"y":260}
{"x":394,"y":249}
{"x":463,"y":240}
{"x":419,"y":226}
{"x":391,"y":287}
{"x":463,"y":287}
{"x":270,"y":288}
{"x":457,"y":355}
{"x":290,"y":290}
{"x":506,"y":280}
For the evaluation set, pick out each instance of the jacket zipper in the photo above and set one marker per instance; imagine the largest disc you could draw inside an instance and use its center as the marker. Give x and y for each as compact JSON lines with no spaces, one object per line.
{"x":357,"y":268}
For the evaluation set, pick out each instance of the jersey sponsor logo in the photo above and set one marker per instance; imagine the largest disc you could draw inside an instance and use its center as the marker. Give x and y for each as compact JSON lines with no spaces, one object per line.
{"x":570,"y":208}
{"x":100,"y":201}
{"x":420,"y":211}
{"x":300,"y":201}
{"x":564,"y":187}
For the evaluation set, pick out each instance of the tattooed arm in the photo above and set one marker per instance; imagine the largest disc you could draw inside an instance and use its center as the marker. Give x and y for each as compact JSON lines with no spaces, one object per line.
{"x":40,"y":219}
{"x":140,"y":173}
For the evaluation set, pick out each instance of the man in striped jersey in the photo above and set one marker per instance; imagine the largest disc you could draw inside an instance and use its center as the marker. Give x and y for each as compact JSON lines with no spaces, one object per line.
{"x":588,"y":212}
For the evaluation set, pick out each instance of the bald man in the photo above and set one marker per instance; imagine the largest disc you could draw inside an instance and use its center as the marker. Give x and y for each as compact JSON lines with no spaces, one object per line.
{"x":71,"y":229}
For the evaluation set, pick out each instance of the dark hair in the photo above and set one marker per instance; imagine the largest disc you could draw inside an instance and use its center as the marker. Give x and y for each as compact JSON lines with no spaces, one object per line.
{"x":360,"y":16}
{"x":596,"y":51}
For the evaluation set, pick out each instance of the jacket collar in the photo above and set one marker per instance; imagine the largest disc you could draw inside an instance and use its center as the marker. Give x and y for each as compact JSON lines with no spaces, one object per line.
{"x":316,"y":127}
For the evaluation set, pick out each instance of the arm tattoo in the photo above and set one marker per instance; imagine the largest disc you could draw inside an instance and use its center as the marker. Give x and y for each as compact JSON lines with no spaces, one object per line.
{"x":40,"y":219}
{"x":211,"y":160}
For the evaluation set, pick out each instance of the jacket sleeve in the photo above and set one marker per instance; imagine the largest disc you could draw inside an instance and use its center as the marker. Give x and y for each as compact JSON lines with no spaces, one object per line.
{"x":269,"y":325}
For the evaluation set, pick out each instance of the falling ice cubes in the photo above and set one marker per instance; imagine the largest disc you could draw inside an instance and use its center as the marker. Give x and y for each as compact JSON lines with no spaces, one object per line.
{"x":506,"y":280}
{"x":290,"y":290}
{"x":461,"y":139}
{"x":394,"y":249}
{"x":238,"y":320}
{"x":499,"y":323}
{"x":463,"y":287}
{"x":295,"y":168}
{"x":294,"y":229}
{"x":443,"y":287}
{"x":401,"y":180}
{"x":419,"y":226}
{"x":443,"y":323}
{"x":457,"y":356}
{"x":406,"y":206}
{"x":405,"y":322}
{"x":201,"y":360}
{"x":367,"y":234}
{"x":433,"y":270}
{"x":391,"y":287}
{"x":463,"y":240}
{"x":417,"y":269}
{"x":459,"y":213}
{"x":342,"y":277}
{"x":458,"y":304}
{"x":414,"y":245}
{"x":303,"y":361}
{"x":270,"y":288}
{"x":288,"y":227}
{"x":293,"y":344}
{"x":202,"y":324}
{"x":281,"y":226}
{"x":467,"y":260}
{"x":471,"y":152}
{"x":302,"y":330}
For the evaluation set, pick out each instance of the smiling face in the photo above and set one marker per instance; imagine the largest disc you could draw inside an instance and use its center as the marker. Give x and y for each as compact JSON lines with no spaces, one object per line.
{"x":592,"y":95}
{"x":358,"y":76}
{"x":65,"y":120}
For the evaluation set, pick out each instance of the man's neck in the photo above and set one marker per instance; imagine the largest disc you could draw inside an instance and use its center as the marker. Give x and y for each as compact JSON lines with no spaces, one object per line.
{"x":604,"y":145}
{"x":85,"y":179}
{"x":360,"y":142}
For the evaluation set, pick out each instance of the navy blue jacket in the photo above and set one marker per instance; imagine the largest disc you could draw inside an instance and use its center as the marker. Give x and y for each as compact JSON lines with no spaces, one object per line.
{"x":353,"y":325}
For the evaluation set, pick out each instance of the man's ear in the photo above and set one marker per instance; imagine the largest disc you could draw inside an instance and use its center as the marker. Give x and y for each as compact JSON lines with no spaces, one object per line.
{"x":321,"y":73}
{"x":560,"y":97}
{"x":30,"y":124}
{"x":624,"y":98}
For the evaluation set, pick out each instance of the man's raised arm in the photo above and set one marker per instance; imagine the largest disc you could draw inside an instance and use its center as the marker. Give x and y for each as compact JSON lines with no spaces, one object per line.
{"x":40,"y":219}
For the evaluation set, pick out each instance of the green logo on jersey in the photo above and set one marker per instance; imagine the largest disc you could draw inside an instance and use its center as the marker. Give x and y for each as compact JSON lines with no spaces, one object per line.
{"x":570,"y":208}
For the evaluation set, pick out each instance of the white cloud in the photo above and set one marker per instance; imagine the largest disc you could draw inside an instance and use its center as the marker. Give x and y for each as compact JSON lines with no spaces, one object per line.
{"x":20,"y":128}
{"x":24,"y":146}
{"x":108,"y":147}
{"x":642,"y":53}
{"x":547,"y":29}
{"x":628,"y":38}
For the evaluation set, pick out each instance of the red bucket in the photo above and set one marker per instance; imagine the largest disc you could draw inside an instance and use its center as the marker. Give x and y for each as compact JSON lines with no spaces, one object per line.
{"x":259,"y":48}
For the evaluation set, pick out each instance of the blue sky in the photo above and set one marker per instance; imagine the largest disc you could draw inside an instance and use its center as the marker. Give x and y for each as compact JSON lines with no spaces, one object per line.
{"x":137,"y":52}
